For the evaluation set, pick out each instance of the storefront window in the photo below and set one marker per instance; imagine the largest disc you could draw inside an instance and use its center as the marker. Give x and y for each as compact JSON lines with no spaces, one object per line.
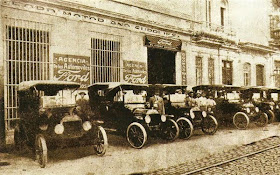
{"x":198,"y":68}
{"x":247,"y":74}
{"x":105,"y":60}
{"x":211,"y":71}
{"x":227,"y":72}
{"x":260,"y":75}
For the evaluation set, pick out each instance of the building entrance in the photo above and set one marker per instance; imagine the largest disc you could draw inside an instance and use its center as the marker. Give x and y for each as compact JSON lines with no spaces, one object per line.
{"x":161,"y":66}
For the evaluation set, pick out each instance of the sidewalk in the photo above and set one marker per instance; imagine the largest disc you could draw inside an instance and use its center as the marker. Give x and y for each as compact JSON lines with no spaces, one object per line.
{"x":122,"y":159}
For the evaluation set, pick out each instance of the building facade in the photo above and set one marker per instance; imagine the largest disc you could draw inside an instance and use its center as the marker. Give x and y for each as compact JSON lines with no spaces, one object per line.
{"x":200,"y":42}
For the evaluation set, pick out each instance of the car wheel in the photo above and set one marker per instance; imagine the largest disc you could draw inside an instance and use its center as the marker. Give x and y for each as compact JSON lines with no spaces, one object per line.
{"x":271,"y":116}
{"x":136,"y":135}
{"x":241,"y":120}
{"x":101,"y":141}
{"x":41,"y":151}
{"x":170,"y":130}
{"x":18,"y":139}
{"x":262,"y":120}
{"x":185,"y":127}
{"x":209,"y":125}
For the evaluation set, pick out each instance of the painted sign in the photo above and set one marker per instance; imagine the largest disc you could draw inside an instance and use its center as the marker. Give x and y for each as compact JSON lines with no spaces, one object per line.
{"x":164,"y":43}
{"x":184,"y":68}
{"x":72,"y":68}
{"x":135,"y":72}
{"x":89,"y":18}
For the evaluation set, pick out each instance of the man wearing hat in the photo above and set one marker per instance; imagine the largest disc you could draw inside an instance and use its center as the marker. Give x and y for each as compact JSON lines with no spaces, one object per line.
{"x":83,"y":107}
{"x":157,"y":102}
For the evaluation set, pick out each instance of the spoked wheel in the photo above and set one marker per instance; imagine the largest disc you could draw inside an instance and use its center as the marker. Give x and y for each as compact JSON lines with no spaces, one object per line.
{"x":136,"y":135}
{"x":170,"y":130}
{"x":271,"y":116}
{"x":185,"y":127}
{"x":241,"y":120}
{"x":209,"y":125}
{"x":18,"y":139}
{"x":262,"y":120}
{"x":101,"y":141}
{"x":41,"y":151}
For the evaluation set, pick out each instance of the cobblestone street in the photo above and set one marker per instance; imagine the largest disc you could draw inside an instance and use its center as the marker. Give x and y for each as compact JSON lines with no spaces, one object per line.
{"x":261,"y":157}
{"x":161,"y":157}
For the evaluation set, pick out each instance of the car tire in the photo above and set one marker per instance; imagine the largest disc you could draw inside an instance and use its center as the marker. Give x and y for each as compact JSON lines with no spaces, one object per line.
{"x":41,"y":150}
{"x":241,"y":120}
{"x":185,"y":127}
{"x":262,"y":120}
{"x":271,"y":116}
{"x":136,"y":135}
{"x":170,"y":130}
{"x":101,"y":141}
{"x":209,"y":125}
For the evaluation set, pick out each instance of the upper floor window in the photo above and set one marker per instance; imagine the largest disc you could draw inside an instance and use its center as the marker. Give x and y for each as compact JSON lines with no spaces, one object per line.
{"x":208,"y":11}
{"x":223,"y":10}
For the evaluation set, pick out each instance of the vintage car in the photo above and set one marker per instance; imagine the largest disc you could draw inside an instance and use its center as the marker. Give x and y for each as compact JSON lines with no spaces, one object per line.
{"x":48,"y":118}
{"x":274,"y":95}
{"x":200,"y":117}
{"x":262,"y":99}
{"x":233,"y":103}
{"x":124,"y":110}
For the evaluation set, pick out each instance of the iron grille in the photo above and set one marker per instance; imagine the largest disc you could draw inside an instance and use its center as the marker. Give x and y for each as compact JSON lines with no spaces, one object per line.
{"x":105,"y":58}
{"x":27,"y":47}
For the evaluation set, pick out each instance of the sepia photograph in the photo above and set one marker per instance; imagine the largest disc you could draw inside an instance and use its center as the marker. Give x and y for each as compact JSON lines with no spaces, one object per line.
{"x":140,"y":87}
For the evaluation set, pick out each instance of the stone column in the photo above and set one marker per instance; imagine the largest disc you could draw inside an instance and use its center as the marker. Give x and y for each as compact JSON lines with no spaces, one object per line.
{"x":2,"y":122}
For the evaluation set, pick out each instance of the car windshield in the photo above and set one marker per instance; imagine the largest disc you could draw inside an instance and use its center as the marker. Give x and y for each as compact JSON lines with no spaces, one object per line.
{"x":233,"y":96}
{"x":256,"y":96}
{"x":61,"y":98}
{"x":274,"y":96}
{"x":132,"y":96}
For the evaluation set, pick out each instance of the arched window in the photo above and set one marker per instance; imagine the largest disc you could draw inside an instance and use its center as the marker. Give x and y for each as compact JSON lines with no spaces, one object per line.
{"x":247,"y":74}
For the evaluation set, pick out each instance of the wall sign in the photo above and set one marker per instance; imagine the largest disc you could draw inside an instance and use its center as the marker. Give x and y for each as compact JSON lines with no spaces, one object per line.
{"x":184,"y":68}
{"x":72,"y":68}
{"x":135,"y":72}
{"x":86,"y":17}
{"x":163,"y":43}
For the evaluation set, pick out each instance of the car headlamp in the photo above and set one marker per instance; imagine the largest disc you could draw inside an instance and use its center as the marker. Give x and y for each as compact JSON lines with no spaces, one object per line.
{"x":204,"y":114}
{"x":139,"y":117}
{"x":271,"y":107}
{"x":192,"y":114}
{"x":257,"y":109}
{"x":163,"y":118}
{"x":248,"y":110}
{"x":87,"y":125}
{"x":148,"y":119}
{"x":59,"y":129}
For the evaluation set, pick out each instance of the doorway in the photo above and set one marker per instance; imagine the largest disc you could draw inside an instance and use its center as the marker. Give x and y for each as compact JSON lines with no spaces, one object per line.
{"x":161,"y":66}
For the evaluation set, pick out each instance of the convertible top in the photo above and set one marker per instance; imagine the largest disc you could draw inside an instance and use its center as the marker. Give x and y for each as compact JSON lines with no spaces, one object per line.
{"x":46,"y":85}
{"x":111,"y":88}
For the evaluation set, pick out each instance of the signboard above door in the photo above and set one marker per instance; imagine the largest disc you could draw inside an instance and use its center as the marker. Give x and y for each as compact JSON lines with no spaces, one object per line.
{"x":163,"y":43}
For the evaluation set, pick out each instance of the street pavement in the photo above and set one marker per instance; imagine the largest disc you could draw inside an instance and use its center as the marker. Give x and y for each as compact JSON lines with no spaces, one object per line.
{"x":122,"y":159}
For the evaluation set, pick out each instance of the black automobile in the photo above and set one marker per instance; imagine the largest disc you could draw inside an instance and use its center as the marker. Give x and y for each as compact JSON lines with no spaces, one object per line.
{"x":48,"y":118}
{"x":124,"y":109}
{"x":262,"y":98}
{"x":200,"y":117}
{"x":234,"y":105}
